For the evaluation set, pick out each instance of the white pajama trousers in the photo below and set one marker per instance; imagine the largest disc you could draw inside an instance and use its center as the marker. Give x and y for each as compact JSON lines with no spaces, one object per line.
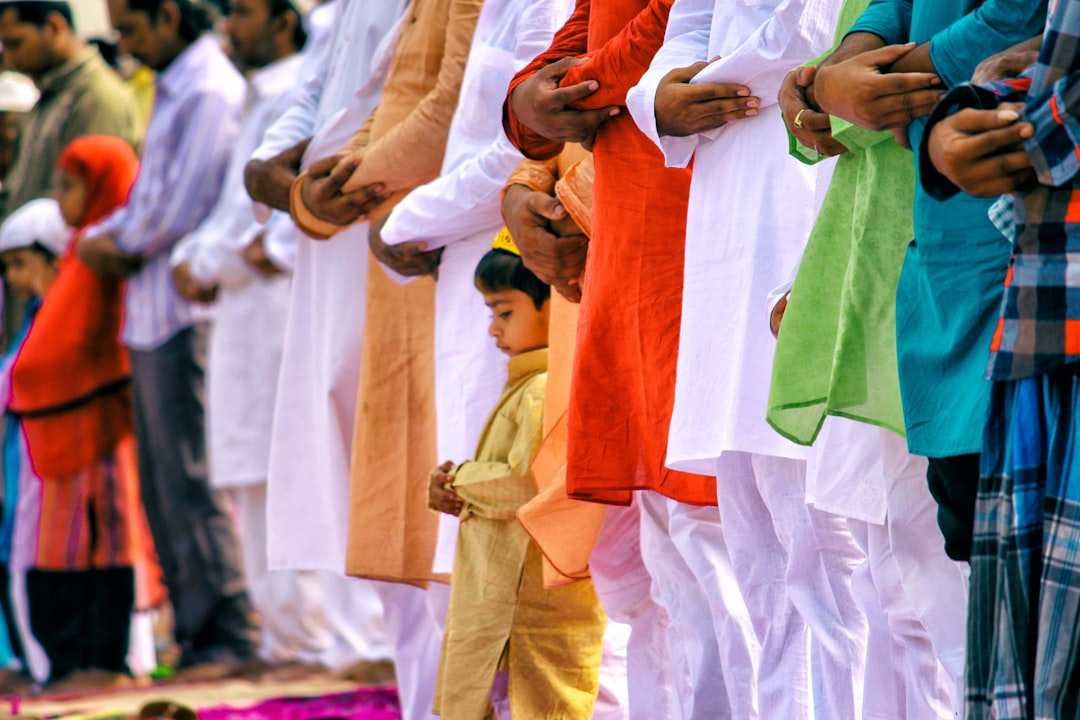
{"x":687,"y":557}
{"x":921,"y":595}
{"x":624,"y":587}
{"x":414,"y":619}
{"x":310,"y":616}
{"x":794,"y":564}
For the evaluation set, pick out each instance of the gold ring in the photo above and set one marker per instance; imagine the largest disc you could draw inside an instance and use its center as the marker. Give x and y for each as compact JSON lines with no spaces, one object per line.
{"x":798,"y":119}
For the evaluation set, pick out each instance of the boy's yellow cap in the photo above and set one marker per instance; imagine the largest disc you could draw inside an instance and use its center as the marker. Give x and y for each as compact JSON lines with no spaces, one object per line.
{"x":503,"y":241}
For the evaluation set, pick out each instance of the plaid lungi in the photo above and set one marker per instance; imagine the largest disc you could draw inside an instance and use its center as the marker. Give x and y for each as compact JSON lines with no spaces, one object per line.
{"x":1024,"y":606}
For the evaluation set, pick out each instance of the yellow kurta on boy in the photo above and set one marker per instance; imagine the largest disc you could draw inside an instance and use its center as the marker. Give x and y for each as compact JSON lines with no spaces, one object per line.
{"x":500,"y":615}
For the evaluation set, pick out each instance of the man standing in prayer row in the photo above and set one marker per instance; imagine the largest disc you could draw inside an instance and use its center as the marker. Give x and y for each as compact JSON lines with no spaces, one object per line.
{"x":245,"y":264}
{"x":399,"y":147}
{"x":196,"y":119}
{"x":628,"y":333}
{"x":311,"y":435}
{"x":734,"y":228}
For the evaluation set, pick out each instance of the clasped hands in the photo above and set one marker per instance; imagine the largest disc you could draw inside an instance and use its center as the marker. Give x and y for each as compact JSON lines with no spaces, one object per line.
{"x":982,"y":151}
{"x":868,"y":89}
{"x":440,"y":497}
{"x":324,"y":193}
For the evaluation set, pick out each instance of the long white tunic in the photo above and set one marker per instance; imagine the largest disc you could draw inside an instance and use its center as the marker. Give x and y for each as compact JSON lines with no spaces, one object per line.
{"x":750,"y":213}
{"x":460,"y":211}
{"x":311,"y":438}
{"x":249,"y":328}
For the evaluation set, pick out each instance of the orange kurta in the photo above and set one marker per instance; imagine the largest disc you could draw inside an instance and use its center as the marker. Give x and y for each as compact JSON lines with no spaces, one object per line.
{"x":628,"y":333}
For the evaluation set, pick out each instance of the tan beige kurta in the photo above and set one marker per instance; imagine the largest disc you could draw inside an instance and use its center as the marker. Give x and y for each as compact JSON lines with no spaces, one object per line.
{"x":391,"y":533}
{"x":563,"y":528}
{"x":549,"y":641}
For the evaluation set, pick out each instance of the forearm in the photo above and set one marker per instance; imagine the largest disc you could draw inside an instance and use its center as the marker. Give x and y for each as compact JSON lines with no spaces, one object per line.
{"x":621,"y":62}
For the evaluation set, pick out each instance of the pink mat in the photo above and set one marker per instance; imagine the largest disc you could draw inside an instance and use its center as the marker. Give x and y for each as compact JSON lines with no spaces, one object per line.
{"x":362,"y":704}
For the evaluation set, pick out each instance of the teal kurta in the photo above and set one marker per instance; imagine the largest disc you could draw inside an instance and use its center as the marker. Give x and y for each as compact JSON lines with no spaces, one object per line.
{"x":836,"y":354}
{"x":950,"y":288}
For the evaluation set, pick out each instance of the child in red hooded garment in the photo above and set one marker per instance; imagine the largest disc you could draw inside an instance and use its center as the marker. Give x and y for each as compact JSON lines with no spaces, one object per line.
{"x":71,"y":390}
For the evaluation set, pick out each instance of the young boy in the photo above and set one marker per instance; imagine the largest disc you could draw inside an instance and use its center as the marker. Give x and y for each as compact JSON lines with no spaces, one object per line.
{"x":32,"y":240}
{"x":500,"y":616}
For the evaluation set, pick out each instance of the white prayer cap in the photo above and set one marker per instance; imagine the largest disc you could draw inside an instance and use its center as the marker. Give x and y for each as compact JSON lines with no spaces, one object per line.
{"x":38,"y":221}
{"x":303,"y":6}
{"x":91,"y":18}
{"x":17,"y":92}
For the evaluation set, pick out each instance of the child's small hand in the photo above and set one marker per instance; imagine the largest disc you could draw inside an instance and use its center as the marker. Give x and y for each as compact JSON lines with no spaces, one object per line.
{"x":440,"y":496}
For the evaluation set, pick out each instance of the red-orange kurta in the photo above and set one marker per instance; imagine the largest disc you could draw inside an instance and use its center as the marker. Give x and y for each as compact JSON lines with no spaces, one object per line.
{"x":628,"y":332}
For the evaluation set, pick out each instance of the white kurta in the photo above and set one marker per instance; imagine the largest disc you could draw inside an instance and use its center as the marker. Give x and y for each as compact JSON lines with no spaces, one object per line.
{"x":460,"y":212}
{"x":249,"y":328}
{"x":311,"y":439}
{"x":750,"y":213}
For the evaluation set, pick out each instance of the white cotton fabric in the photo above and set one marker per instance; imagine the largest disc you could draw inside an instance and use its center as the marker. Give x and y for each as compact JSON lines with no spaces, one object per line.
{"x":751,"y":209}
{"x":311,"y":437}
{"x":249,"y":331}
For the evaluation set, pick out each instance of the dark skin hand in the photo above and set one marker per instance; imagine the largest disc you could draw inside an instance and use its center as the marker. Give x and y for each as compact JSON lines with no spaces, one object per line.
{"x":556,"y":259}
{"x":322,"y":194}
{"x":411,"y":259}
{"x":188,"y":288}
{"x":981,"y":151}
{"x":103,"y":257}
{"x":683,"y":109}
{"x":255,"y":255}
{"x":269,"y":181}
{"x":545,"y":108}
{"x":816,"y":130}
{"x":1008,"y":63}
{"x":862,"y":90}
{"x":440,"y":496}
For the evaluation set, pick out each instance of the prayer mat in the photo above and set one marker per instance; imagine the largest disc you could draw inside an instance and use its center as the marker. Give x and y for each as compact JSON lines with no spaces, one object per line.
{"x":363,"y":704}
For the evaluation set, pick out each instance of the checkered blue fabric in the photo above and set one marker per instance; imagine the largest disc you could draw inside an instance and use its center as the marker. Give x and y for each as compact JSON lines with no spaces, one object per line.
{"x":1023,"y":654}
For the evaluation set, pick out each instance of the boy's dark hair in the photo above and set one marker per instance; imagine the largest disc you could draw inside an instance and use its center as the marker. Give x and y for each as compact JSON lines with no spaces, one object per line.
{"x":37,"y":12}
{"x":279,"y":8}
{"x":196,"y":18}
{"x":501,"y":270}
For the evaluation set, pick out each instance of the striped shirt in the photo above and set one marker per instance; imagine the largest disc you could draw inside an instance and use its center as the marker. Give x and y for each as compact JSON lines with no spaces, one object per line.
{"x":1039,"y":326}
{"x":196,"y":120}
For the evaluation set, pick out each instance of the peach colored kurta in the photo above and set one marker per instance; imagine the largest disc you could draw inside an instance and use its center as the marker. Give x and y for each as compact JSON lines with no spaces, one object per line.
{"x":564,"y":529}
{"x":391,"y":533}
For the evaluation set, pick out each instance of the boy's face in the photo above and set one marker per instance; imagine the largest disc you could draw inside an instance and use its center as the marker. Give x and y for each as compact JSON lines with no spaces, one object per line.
{"x":27,"y":272}
{"x":516,"y":324}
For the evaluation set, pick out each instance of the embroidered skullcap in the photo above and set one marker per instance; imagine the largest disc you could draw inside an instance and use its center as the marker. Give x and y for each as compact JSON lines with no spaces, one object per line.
{"x":503,"y":241}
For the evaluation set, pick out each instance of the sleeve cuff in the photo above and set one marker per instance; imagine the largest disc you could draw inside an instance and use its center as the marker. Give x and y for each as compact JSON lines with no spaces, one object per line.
{"x":640,"y":101}
{"x":310,"y":225}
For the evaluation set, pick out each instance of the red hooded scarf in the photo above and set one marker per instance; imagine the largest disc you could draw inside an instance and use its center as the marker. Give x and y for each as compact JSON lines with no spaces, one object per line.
{"x":70,"y":381}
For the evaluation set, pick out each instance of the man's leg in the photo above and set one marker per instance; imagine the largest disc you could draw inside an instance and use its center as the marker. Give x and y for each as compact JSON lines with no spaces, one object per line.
{"x":760,"y":562}
{"x":954,"y":483}
{"x":821,"y":556}
{"x":415,"y":640}
{"x":698,"y":675}
{"x":929,"y":593}
{"x":624,"y":587}
{"x":193,"y":533}
{"x":696,"y":532}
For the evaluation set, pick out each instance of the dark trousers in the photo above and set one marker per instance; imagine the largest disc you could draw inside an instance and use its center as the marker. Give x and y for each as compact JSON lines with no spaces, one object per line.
{"x":82,"y":618}
{"x":193,"y":533}
{"x":954,"y":483}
